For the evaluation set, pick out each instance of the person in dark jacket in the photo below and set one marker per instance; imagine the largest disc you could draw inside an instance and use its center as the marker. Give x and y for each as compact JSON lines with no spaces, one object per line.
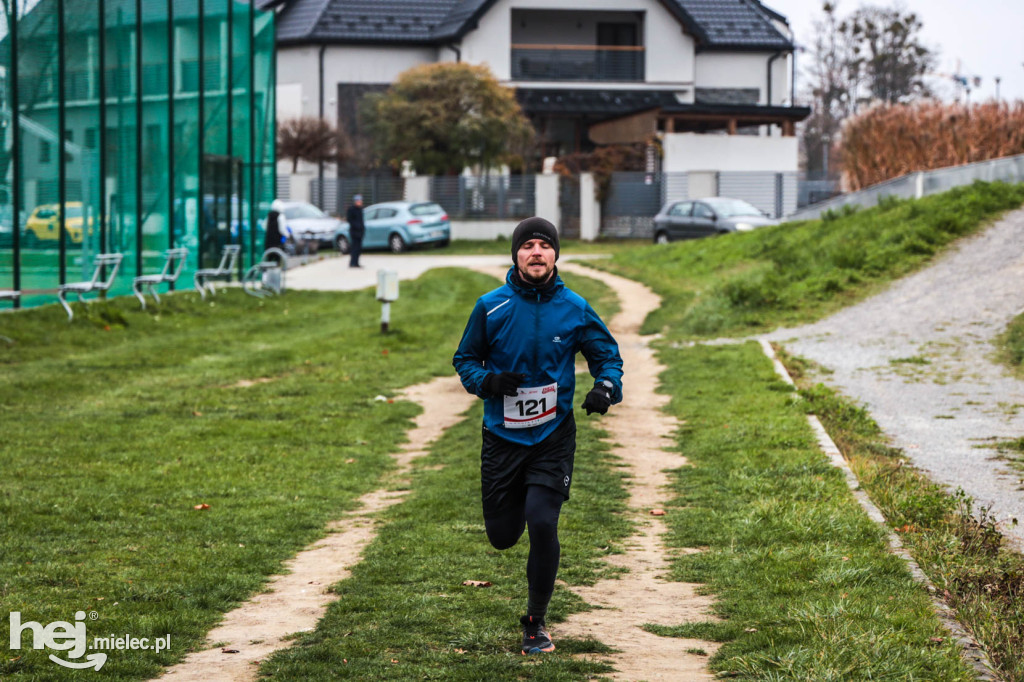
{"x":518,"y":353}
{"x":272,"y":237}
{"x":356,"y":230}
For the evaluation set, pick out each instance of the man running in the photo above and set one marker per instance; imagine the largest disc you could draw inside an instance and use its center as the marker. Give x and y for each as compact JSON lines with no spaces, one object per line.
{"x":518,"y":353}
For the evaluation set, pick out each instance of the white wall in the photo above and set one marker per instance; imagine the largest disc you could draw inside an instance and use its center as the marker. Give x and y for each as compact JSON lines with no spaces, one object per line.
{"x":694,"y":152}
{"x":744,"y":70}
{"x":669,"y":52}
{"x":350,"y":64}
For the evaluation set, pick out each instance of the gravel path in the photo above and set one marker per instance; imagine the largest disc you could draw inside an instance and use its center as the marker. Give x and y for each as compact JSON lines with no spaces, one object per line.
{"x":950,"y":402}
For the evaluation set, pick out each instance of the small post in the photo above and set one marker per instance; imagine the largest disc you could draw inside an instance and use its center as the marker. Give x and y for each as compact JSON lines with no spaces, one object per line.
{"x":387,"y":291}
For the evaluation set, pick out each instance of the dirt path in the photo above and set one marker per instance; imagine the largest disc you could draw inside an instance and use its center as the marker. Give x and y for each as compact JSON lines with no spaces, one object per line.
{"x":296,"y":600}
{"x":641,"y":432}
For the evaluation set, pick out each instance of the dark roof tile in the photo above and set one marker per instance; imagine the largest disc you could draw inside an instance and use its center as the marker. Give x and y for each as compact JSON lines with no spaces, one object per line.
{"x":716,"y":24}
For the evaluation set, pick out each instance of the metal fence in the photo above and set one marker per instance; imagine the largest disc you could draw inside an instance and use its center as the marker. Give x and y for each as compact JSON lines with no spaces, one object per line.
{"x":485,"y":197}
{"x":338,"y":192}
{"x":920,"y":184}
{"x":631,"y":203}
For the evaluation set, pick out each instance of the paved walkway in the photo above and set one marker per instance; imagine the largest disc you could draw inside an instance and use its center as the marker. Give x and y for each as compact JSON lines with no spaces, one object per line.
{"x":919,"y":356}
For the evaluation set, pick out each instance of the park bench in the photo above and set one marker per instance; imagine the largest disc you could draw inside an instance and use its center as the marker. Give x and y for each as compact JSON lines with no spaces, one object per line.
{"x":206,"y":277}
{"x":103,"y":260}
{"x":267,"y":276}
{"x":174,"y":262}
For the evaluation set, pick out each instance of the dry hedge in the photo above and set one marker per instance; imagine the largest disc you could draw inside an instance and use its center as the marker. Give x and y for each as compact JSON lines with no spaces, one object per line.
{"x":888,"y":141}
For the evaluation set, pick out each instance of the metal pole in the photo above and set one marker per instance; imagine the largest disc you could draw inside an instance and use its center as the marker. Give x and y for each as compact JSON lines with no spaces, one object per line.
{"x":139,"y":168}
{"x":170,"y":128}
{"x":61,"y":124}
{"x":12,"y":88}
{"x":101,"y":6}
{"x":202,"y":134}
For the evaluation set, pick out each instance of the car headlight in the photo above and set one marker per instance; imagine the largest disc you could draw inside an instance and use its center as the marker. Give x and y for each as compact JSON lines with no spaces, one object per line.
{"x":744,"y":227}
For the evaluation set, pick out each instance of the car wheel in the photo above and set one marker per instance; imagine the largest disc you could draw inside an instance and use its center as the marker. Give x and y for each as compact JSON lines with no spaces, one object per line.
{"x":396,"y":243}
{"x":341,"y":243}
{"x":661,"y":238}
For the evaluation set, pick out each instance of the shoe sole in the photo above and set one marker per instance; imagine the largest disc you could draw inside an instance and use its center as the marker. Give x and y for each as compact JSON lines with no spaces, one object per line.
{"x":538,"y":650}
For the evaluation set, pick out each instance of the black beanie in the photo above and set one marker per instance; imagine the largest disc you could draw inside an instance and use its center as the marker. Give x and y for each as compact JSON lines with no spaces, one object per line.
{"x":534,"y":228}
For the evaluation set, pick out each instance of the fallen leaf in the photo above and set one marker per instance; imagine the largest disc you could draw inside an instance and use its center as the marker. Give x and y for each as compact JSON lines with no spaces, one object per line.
{"x":657,"y":512}
{"x":460,"y":651}
{"x":349,"y":460}
{"x":393,"y":660}
{"x":344,"y":660}
{"x":381,"y":398}
{"x":750,"y":630}
{"x":391,"y":401}
{"x":229,"y":651}
{"x":844,"y":595}
{"x":846,"y":558}
{"x":937,"y":639}
{"x":202,"y":507}
{"x":384,"y":352}
{"x":106,"y":327}
{"x":196,"y":413}
{"x":476,"y":583}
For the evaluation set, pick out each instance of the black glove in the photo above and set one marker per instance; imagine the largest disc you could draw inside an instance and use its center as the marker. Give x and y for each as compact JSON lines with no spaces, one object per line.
{"x":506,"y":383}
{"x":598,"y":400}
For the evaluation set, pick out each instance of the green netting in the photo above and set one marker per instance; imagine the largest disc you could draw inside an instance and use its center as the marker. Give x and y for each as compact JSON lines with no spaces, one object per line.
{"x":167,"y":138}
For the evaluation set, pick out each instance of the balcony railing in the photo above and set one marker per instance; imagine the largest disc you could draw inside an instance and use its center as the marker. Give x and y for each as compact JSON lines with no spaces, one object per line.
{"x":577,"y":63}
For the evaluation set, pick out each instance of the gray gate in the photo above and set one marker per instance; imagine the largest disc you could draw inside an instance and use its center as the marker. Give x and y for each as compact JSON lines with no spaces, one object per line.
{"x":632,"y":201}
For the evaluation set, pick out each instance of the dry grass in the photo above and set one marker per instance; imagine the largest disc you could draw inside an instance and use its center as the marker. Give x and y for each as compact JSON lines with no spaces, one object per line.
{"x":888,"y":141}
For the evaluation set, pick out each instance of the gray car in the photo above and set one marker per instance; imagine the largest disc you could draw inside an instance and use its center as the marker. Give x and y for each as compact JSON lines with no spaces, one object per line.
{"x":307,"y":222}
{"x":692,"y":218}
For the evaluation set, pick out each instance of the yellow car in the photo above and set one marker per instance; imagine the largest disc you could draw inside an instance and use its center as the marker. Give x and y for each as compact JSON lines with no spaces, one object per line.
{"x":44,"y":223}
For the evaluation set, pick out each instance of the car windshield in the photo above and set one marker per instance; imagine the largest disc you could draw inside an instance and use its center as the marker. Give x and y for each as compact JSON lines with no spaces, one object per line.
{"x":425,"y":209}
{"x":303,"y":211}
{"x":74,"y":211}
{"x":729,"y":208}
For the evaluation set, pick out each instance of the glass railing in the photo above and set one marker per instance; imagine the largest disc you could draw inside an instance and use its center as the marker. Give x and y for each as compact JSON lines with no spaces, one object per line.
{"x":577,"y":63}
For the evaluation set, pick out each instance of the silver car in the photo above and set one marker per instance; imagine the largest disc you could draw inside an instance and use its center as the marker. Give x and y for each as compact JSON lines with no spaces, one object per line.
{"x":694,"y":218}
{"x":307,"y":222}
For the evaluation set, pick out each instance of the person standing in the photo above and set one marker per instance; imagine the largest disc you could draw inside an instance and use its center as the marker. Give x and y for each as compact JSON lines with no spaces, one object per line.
{"x":518,"y":353}
{"x":356,"y":230}
{"x":272,"y":236}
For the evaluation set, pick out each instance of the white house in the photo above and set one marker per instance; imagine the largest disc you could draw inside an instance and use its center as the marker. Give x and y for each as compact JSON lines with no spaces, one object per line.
{"x":711,"y":77}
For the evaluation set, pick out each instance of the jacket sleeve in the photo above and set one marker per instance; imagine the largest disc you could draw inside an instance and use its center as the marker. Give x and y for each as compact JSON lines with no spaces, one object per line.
{"x":472,"y":352}
{"x":602,"y":353}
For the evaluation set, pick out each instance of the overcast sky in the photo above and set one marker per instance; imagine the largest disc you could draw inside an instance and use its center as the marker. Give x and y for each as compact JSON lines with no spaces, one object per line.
{"x":987,"y":36}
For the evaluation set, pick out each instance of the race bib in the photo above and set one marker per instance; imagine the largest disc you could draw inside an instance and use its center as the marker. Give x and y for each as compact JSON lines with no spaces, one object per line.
{"x":533,"y":406}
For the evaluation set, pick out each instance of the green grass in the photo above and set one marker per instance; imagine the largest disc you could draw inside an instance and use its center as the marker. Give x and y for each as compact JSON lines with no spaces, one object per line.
{"x":789,"y":274}
{"x":958,"y":547}
{"x":404,"y":613}
{"x":803,"y":581}
{"x":116,"y":426}
{"x":1010,"y":346}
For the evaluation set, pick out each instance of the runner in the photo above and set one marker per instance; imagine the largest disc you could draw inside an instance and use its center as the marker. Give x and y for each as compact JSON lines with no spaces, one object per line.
{"x":518,"y":353}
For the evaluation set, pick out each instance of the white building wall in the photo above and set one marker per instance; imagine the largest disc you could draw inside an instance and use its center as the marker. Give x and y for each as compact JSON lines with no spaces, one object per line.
{"x":670,"y":53}
{"x":744,"y":70}
{"x":350,"y":64}
{"x":686,"y":152}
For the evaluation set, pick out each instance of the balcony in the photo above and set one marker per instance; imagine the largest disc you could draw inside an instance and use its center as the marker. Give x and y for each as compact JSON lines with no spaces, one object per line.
{"x":577,"y":63}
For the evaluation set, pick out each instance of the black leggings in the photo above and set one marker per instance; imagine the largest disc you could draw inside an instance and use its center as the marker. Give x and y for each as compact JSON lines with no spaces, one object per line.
{"x":539,"y":511}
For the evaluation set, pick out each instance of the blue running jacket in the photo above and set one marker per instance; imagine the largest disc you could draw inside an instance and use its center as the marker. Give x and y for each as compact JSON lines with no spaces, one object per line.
{"x":536,"y":332}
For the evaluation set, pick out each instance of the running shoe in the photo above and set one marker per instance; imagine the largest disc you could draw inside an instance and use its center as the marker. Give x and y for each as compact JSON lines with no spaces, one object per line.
{"x":536,"y":639}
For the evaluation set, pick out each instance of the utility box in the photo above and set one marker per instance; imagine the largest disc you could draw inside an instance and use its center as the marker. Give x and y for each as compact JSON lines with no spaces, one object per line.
{"x":387,"y":286}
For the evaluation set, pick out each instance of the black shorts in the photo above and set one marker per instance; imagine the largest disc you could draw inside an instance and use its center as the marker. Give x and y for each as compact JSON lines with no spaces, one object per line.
{"x":506,"y":468}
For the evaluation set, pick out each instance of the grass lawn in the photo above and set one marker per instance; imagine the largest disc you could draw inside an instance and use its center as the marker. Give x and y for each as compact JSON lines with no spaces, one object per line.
{"x":804,"y":584}
{"x":117,"y":426}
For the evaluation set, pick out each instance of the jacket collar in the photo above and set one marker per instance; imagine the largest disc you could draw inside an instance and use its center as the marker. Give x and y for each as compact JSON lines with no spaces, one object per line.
{"x":543,"y":292}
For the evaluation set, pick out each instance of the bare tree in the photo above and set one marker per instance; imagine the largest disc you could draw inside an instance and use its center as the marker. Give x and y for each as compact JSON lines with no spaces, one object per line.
{"x":308,"y":139}
{"x":888,"y":49}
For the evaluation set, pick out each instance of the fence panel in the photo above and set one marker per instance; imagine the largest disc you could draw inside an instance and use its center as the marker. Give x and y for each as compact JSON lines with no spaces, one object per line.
{"x":633,"y":199}
{"x":485,"y":197}
{"x":569,"y":206}
{"x":284,"y":187}
{"x":373,"y":188}
{"x":675,"y":187}
{"x":756,"y":187}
